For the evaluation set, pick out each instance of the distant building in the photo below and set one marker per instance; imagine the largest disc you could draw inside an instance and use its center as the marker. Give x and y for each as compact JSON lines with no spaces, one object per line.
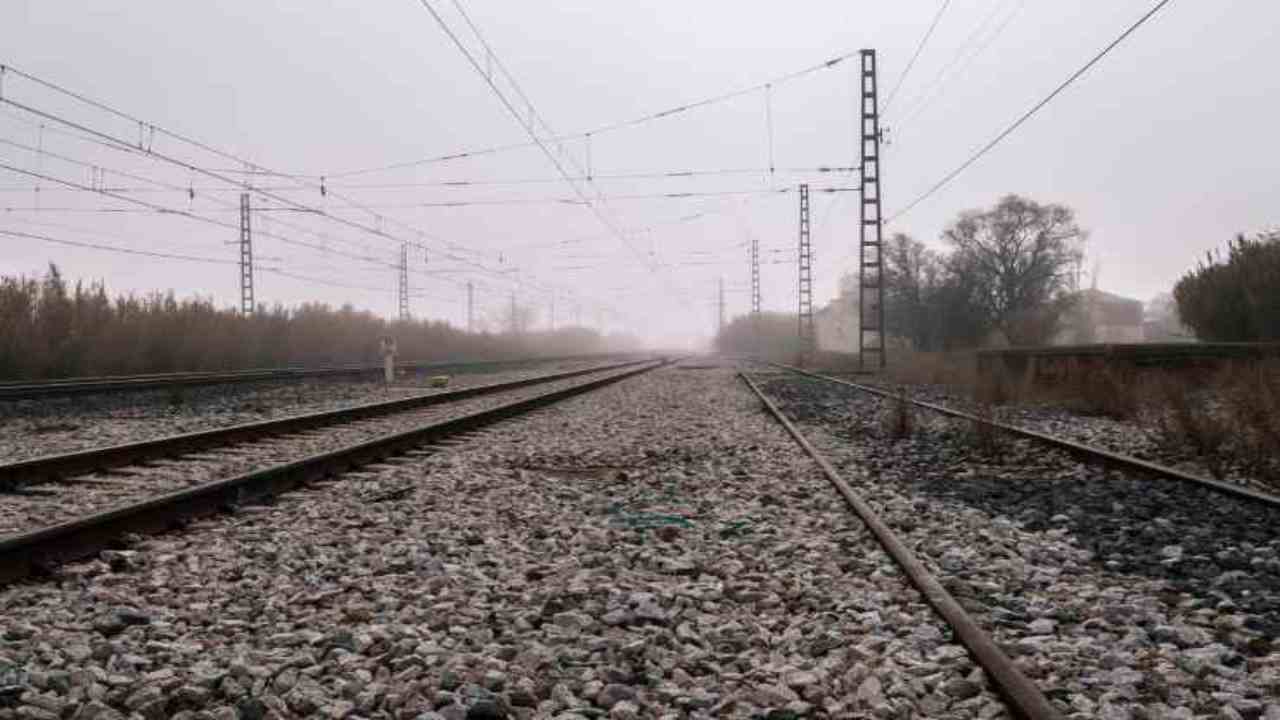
{"x":1095,"y":316}
{"x":836,"y":323}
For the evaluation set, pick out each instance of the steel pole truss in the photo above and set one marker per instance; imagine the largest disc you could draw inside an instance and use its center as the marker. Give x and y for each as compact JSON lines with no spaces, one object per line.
{"x":805,"y":332}
{"x":403,"y":285}
{"x":755,"y":292}
{"x":871,"y":334}
{"x":246,"y":258}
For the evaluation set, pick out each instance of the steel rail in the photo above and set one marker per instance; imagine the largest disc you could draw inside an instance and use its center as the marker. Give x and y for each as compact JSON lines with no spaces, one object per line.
{"x":1024,"y":698}
{"x":1088,"y":453}
{"x":21,"y":390}
{"x":36,"y":470}
{"x":37,"y":551}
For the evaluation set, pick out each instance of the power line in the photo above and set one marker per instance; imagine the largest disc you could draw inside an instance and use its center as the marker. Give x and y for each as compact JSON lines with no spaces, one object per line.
{"x":115,"y":249}
{"x":937,"y":17}
{"x":144,"y":146}
{"x":937,"y":86}
{"x":618,"y":125}
{"x":525,"y":124}
{"x":1027,"y":115}
{"x":662,"y":175}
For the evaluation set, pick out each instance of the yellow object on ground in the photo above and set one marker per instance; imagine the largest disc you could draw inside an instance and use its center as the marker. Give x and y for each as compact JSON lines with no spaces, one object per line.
{"x":438,"y":381}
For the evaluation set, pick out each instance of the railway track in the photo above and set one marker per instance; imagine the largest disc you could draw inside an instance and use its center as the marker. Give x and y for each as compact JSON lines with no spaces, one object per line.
{"x":57,"y":514}
{"x":70,"y":387}
{"x":1086,"y":570}
{"x":1088,"y":453}
{"x":1024,"y":698}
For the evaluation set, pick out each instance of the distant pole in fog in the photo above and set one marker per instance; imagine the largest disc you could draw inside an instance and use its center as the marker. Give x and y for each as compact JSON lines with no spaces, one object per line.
{"x":755,"y":293}
{"x":246,"y":258}
{"x":403,"y":284}
{"x":805,"y":314}
{"x":721,"y":303}
{"x":471,"y":307}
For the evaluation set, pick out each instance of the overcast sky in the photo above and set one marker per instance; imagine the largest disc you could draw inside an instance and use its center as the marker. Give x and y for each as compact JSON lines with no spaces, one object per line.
{"x":1164,"y":150}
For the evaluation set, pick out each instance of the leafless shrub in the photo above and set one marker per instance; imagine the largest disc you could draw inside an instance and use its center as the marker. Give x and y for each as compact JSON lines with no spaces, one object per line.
{"x":899,"y":420}
{"x":1186,"y":418}
{"x":983,"y":434}
{"x":1251,"y":400}
{"x":997,"y":386}
{"x":1106,"y":391}
{"x":957,"y":370}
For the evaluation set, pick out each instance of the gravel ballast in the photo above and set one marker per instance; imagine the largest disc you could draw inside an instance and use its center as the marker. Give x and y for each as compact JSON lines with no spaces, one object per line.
{"x":29,"y":508}
{"x":1122,"y":596}
{"x":658,"y":548}
{"x":31,"y":428}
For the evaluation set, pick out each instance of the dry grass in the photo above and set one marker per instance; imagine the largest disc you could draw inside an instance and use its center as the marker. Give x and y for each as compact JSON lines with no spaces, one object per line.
{"x":955,"y":369}
{"x":1186,"y":418}
{"x":1103,"y":391}
{"x":1251,"y":398}
{"x":899,"y":420}
{"x":986,"y":438}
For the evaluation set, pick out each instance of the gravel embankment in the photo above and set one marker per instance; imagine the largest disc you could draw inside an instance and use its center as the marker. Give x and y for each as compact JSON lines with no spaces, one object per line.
{"x":30,"y":428}
{"x":1124,"y":597}
{"x":659,"y":548}
{"x":49,"y":503}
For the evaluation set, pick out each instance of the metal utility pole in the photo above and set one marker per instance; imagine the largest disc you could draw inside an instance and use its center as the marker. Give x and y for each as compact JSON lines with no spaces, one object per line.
{"x":805,"y":331}
{"x":515,"y":321}
{"x":871,"y":335}
{"x":553,"y":312}
{"x":471,"y":307}
{"x":721,"y":306}
{"x":403,"y":285}
{"x":246,"y":258}
{"x":755,"y":292}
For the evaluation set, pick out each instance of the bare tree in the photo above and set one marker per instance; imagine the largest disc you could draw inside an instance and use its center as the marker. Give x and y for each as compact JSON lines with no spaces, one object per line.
{"x":1019,"y":258}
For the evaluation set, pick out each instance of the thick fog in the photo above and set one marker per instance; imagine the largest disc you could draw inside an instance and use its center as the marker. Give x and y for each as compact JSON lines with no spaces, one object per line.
{"x":1164,"y":150}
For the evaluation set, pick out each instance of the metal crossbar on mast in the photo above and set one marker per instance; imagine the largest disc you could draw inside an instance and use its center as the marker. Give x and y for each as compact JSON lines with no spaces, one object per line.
{"x":871,"y":335}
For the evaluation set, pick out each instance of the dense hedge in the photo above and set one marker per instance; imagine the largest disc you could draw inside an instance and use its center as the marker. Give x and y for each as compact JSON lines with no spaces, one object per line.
{"x":1236,"y":299}
{"x":51,"y":329}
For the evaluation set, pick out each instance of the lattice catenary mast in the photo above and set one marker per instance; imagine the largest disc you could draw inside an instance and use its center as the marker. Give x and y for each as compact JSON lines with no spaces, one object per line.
{"x":805,"y":331}
{"x":246,"y":258}
{"x":471,"y":307}
{"x":721,"y":303}
{"x":871,"y":336}
{"x":755,"y":292}
{"x":403,"y":285}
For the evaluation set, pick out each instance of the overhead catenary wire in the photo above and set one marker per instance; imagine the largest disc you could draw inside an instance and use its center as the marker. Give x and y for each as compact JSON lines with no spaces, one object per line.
{"x":116,"y":249}
{"x":1028,"y":114}
{"x":609,"y":127}
{"x":668,"y":174}
{"x":969,"y":51}
{"x":527,"y":125}
{"x":924,"y":40}
{"x":145,"y":147}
